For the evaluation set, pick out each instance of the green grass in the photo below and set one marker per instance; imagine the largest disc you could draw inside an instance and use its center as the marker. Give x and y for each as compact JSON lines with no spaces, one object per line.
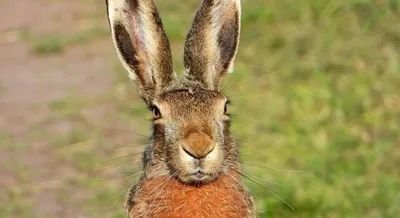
{"x":316,"y":88}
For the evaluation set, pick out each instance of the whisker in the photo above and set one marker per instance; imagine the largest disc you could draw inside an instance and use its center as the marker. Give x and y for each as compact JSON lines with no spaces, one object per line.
{"x":263,"y":180}
{"x":272,"y":168}
{"x":114,"y":168}
{"x":121,"y":130}
{"x":125,"y":191}
{"x":264,"y":187}
{"x":237,"y":130}
{"x":234,"y":95}
{"x":227,"y":86}
{"x":159,"y":187}
{"x":243,"y":142}
{"x":116,"y":158}
{"x":226,"y":90}
{"x":261,"y":211}
{"x":133,"y":175}
{"x":244,"y":187}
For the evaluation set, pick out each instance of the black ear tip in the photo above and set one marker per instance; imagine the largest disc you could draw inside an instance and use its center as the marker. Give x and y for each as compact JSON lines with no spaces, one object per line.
{"x":124,"y":44}
{"x":213,"y":16}
{"x":228,"y":41}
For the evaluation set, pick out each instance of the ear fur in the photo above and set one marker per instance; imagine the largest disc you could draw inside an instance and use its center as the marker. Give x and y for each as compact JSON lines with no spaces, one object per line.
{"x":142,"y":45}
{"x":212,"y":42}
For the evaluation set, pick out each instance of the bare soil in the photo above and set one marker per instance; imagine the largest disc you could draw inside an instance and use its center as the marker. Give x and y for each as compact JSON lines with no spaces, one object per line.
{"x":30,"y":82}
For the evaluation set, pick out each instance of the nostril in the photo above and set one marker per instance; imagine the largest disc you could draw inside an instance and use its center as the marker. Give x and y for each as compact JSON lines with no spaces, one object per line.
{"x":209,"y":151}
{"x":197,"y":145}
{"x":188,"y":152}
{"x":197,"y":155}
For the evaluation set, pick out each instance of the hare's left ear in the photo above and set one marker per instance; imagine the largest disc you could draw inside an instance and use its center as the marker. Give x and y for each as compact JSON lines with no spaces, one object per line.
{"x":212,"y":42}
{"x":142,"y":45}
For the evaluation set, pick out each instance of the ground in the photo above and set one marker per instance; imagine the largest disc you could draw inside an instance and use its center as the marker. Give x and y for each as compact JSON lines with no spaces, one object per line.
{"x":315,"y":96}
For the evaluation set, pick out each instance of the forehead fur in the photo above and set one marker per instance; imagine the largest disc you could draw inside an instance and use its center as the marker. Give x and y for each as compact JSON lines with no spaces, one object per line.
{"x":188,"y":100}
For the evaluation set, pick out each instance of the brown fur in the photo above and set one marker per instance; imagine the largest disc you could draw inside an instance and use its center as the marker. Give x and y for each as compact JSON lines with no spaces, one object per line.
{"x":197,"y":144}
{"x":164,"y":197}
{"x":212,"y":42}
{"x":142,"y":44}
{"x":191,"y":165}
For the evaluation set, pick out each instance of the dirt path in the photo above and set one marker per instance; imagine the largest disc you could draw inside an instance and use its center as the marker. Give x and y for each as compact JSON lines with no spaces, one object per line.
{"x":29,"y":84}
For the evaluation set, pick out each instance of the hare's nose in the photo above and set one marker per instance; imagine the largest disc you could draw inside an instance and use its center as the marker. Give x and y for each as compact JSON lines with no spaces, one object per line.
{"x":198,"y":145}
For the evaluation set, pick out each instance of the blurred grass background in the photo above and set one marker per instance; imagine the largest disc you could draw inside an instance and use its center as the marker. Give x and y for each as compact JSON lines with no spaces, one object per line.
{"x":316,"y":89}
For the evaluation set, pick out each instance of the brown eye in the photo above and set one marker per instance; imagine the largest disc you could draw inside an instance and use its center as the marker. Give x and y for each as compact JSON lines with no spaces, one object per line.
{"x":226,"y":108}
{"x":156,"y":112}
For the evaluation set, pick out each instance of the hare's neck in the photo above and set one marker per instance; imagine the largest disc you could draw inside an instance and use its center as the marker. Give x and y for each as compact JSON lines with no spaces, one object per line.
{"x":165,"y":196}
{"x":154,"y":163}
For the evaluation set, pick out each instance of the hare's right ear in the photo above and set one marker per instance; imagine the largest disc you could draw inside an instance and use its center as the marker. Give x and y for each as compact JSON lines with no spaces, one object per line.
{"x":142,"y":45}
{"x":212,"y":42}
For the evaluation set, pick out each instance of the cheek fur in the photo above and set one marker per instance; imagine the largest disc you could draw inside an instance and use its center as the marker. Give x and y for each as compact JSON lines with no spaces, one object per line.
{"x":220,"y":128}
{"x":158,"y":139}
{"x":171,"y":133}
{"x":214,"y":161}
{"x":176,"y":160}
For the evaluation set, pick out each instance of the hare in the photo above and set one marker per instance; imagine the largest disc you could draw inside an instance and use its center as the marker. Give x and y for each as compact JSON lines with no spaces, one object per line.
{"x":191,"y":165}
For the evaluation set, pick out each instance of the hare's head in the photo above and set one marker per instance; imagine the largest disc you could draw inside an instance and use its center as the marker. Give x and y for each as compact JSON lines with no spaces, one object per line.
{"x":191,"y":138}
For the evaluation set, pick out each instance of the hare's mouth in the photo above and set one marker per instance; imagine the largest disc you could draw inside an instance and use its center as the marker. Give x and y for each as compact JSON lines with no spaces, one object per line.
{"x":199,"y":176}
{"x":198,"y":170}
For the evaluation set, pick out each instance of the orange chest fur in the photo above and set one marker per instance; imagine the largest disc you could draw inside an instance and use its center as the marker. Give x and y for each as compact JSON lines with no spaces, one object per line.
{"x":164,"y":197}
